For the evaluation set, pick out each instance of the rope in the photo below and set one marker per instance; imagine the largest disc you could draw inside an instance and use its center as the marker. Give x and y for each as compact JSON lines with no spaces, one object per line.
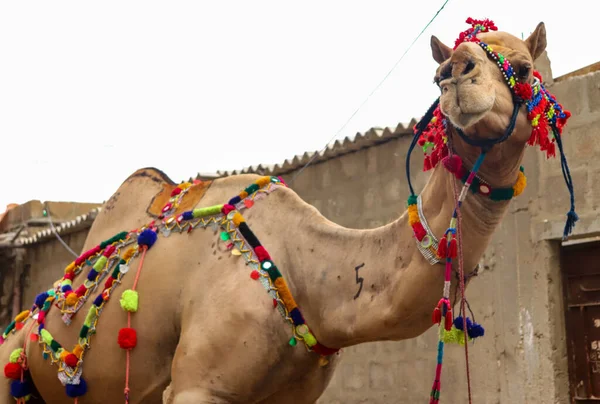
{"x":372,"y":92}
{"x":127,"y":352}
{"x":56,"y":233}
{"x":461,"y":272}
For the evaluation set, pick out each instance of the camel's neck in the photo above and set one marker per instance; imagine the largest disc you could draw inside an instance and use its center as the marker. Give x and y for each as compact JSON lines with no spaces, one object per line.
{"x":399,"y":287}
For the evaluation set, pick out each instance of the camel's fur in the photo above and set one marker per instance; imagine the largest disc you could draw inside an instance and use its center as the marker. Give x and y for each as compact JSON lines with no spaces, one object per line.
{"x":210,"y":333}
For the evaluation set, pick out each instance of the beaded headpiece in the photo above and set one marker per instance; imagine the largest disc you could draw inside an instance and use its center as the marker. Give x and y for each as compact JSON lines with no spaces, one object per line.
{"x":543,"y":111}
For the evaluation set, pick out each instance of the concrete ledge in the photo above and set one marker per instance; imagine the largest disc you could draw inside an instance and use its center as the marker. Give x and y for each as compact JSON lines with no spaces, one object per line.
{"x":552,"y":228}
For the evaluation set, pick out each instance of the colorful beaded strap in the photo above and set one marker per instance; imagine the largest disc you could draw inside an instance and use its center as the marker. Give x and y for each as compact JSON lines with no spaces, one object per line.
{"x":107,"y":257}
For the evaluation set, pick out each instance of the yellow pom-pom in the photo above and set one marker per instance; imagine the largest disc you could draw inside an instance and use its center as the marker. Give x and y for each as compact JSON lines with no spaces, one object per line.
{"x":14,"y":355}
{"x":237,"y":219}
{"x":309,"y":339}
{"x":243,"y":194}
{"x":72,"y":299}
{"x":129,"y":253}
{"x":519,"y":187}
{"x":129,"y":300}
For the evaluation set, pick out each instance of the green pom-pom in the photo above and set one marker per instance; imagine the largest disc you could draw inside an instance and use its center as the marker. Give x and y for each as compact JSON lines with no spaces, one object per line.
{"x":293,"y":341}
{"x":14,"y":355}
{"x":224,"y":236}
{"x":412,"y":200}
{"x":129,"y":300}
{"x":55,"y":346}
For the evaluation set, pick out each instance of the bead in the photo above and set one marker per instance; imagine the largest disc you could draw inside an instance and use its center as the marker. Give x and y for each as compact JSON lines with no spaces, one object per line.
{"x":293,"y":341}
{"x":254,"y":275}
{"x":302,"y":329}
{"x":484,"y":189}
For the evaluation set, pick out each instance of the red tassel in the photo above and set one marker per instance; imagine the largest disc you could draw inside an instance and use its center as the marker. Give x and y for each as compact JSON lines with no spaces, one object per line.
{"x":442,"y":248}
{"x":551,"y":150}
{"x":437,"y":316}
{"x":448,"y":324}
{"x":426,"y":164}
{"x":452,"y":252}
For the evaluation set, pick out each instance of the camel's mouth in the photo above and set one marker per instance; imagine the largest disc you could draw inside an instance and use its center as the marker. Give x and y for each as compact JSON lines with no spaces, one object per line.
{"x":467,"y":104}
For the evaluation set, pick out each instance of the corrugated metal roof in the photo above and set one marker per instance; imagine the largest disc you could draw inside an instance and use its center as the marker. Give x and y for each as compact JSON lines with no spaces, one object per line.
{"x":372,"y":137}
{"x":70,"y":226}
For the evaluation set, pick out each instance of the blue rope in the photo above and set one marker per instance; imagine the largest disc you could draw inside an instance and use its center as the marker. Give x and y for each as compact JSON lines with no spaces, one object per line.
{"x":571,"y":215}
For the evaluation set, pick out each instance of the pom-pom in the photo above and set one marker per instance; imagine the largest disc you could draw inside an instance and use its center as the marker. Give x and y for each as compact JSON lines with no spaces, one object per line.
{"x":72,"y":299}
{"x":76,"y":390}
{"x":15,"y":355}
{"x":458,"y":323}
{"x":78,"y":351}
{"x":147,"y":238}
{"x":523,"y":91}
{"x":129,"y":300}
{"x":33,"y":337}
{"x":12,"y":371}
{"x":254,"y":275}
{"x":40,"y":299}
{"x":127,"y":338}
{"x":71,"y":360}
{"x":176,"y":191}
{"x":19,"y":389}
{"x":475,"y":331}
{"x":19,"y":326}
{"x":452,"y":163}
{"x":227,"y":208}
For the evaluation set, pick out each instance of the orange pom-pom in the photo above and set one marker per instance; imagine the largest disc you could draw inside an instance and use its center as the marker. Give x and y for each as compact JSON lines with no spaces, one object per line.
{"x":78,"y":351}
{"x":12,"y":371}
{"x":72,"y":299}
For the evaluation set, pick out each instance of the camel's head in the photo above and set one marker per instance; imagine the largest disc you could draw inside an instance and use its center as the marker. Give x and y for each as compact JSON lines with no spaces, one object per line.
{"x":474,"y":90}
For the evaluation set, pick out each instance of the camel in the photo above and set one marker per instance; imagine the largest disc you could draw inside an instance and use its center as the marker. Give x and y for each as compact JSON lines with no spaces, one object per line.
{"x":208,"y":332}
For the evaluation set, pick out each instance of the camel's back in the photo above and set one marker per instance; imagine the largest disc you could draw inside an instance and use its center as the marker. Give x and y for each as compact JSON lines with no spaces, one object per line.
{"x":177,"y":269}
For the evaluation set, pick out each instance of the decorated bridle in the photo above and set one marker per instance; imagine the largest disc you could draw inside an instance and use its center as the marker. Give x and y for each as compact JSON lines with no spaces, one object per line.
{"x":433,"y":133}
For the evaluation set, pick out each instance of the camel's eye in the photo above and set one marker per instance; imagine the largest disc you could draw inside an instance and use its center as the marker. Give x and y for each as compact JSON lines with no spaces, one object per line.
{"x":523,"y":71}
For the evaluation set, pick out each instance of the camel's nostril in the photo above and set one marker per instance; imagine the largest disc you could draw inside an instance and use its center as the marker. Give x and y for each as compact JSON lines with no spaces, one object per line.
{"x":469,"y":67}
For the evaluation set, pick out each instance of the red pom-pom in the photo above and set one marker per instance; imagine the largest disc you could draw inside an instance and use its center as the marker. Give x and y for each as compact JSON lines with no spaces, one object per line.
{"x":254,"y":275}
{"x":421,"y":142}
{"x":453,"y":163}
{"x":227,"y":208}
{"x":538,"y":75}
{"x":176,"y":192}
{"x":19,"y":326}
{"x":34,"y":337}
{"x":81,"y":290}
{"x":523,"y":91}
{"x":71,"y":360}
{"x":261,"y":253}
{"x":127,"y":338}
{"x":12,"y":371}
{"x":70,"y":276}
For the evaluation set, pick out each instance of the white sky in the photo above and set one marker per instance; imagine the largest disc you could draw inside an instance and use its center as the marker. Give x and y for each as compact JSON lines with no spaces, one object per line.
{"x":91,"y":91}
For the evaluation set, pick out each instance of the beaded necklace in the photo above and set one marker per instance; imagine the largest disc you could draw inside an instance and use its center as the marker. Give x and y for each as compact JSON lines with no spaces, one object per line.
{"x":108,"y":257}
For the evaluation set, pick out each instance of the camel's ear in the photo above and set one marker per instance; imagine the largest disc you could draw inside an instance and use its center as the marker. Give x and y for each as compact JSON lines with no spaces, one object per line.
{"x":440,"y":52}
{"x":537,"y":41}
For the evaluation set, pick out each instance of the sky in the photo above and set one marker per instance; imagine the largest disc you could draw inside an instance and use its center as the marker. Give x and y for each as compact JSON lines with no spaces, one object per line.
{"x":92,"y":91}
